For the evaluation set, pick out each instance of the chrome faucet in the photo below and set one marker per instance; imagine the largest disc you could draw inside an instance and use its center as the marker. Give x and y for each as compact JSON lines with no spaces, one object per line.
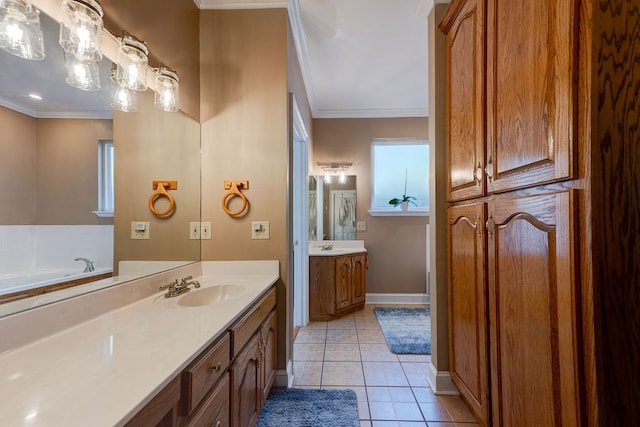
{"x":89,"y":267}
{"x":176,"y":287}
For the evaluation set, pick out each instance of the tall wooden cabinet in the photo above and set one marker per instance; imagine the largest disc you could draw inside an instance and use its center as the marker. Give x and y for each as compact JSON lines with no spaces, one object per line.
{"x":543,"y":167}
{"x":514,"y":319}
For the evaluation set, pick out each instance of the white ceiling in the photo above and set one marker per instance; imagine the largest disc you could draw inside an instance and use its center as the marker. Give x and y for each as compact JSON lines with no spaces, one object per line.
{"x":359,"y":58}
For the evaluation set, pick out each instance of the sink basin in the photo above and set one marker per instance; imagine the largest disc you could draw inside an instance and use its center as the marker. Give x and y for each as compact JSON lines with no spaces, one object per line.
{"x":211,"y":295}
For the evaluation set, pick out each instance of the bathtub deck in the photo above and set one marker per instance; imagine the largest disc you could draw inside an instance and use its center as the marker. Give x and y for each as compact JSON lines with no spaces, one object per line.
{"x":27,"y":293}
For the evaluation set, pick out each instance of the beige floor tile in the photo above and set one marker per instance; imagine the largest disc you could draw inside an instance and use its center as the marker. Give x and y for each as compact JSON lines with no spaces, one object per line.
{"x":342,"y":352}
{"x":399,"y":424}
{"x":316,"y":325}
{"x":395,"y":411}
{"x":368,"y":322}
{"x":441,"y":424}
{"x":371,"y":336}
{"x":425,"y":358}
{"x":307,"y":373}
{"x":434,"y":411}
{"x":365,"y":423}
{"x":308,"y":336}
{"x":376,"y":353}
{"x":304,"y":352}
{"x":342,"y":336}
{"x":416,"y":374}
{"x":457,"y":409}
{"x":342,"y":373}
{"x":384,"y":374}
{"x":390,"y":394}
{"x":424,"y":395}
{"x":345,"y":322}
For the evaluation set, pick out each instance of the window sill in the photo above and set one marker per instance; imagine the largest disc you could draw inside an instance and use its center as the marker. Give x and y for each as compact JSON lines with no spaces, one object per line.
{"x":103,"y":214}
{"x":399,"y":212}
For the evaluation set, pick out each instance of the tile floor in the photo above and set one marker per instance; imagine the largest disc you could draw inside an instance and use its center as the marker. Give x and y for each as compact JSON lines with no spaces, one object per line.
{"x":392,"y":390}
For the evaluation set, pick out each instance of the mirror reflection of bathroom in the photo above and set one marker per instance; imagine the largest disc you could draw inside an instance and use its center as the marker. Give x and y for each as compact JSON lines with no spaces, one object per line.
{"x":332,"y":208}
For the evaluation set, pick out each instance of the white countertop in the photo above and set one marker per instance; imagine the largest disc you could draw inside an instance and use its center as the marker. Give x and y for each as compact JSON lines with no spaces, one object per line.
{"x":102,"y":371}
{"x":336,"y":247}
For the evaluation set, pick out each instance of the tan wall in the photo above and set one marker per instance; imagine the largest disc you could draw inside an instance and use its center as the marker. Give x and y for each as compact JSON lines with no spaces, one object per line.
{"x":151,"y":145}
{"x":67,"y":175}
{"x":17,"y":168}
{"x":396,"y":245}
{"x":170,"y":29}
{"x":244,"y":135}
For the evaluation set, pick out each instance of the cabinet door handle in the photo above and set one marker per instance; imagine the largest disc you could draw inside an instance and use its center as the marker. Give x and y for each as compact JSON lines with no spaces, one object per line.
{"x":217,"y":424}
{"x":488,"y":169}
{"x":216,"y":367}
{"x":490,"y":225}
{"x":477,"y":176}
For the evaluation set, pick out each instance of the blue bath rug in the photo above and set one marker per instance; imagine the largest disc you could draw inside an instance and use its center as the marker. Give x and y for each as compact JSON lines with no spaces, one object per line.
{"x":406,"y":330}
{"x":299,"y":407}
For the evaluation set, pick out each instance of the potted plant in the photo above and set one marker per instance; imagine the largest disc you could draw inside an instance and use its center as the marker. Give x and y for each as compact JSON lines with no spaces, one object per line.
{"x":405,"y":200}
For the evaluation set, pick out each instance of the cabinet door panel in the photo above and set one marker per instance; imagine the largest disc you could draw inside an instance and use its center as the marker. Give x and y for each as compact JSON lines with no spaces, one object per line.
{"x":533,"y":311}
{"x":268,"y":341}
{"x":245,"y":386}
{"x":358,"y":279}
{"x":530,"y":92}
{"x":468,"y":329}
{"x":343,"y":282}
{"x":465,"y":97}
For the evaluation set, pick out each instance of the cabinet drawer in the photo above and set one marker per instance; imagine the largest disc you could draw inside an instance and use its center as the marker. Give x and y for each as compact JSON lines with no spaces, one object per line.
{"x":214,"y":412}
{"x":198,"y":379}
{"x":244,"y":329}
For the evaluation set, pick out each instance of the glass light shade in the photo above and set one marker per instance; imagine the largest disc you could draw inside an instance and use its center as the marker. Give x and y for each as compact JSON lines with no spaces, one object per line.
{"x":81,"y":73}
{"x":343,"y":178}
{"x":20,"y":32}
{"x":132,"y":64}
{"x":122,"y":99}
{"x":81,"y":29}
{"x":166,"y":96}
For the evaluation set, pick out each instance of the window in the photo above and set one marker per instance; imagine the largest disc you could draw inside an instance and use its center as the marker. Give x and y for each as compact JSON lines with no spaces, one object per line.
{"x":398,"y":167}
{"x":105,"y":179}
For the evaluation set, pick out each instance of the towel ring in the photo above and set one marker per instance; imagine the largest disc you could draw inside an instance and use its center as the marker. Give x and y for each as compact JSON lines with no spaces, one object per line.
{"x":234,"y":188}
{"x":160,"y":188}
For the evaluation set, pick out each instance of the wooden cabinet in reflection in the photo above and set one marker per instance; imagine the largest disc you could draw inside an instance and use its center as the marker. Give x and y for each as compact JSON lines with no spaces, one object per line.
{"x":337,"y":285}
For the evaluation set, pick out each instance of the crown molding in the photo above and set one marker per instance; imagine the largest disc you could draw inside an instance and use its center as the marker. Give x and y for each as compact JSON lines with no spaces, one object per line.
{"x":241,"y":4}
{"x":371,"y":113}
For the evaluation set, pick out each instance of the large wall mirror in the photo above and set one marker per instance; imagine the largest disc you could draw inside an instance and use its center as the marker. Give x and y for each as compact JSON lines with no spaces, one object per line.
{"x":49,"y":169}
{"x":332,"y":208}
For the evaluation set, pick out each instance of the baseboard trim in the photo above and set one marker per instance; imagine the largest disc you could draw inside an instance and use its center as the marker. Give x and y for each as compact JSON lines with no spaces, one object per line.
{"x":440,"y":382}
{"x":397,"y":299}
{"x":284,"y":378}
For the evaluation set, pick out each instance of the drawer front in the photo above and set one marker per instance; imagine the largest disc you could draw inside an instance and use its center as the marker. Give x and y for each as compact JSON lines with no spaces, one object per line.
{"x":244,"y":329}
{"x":214,"y":412}
{"x":198,"y":379}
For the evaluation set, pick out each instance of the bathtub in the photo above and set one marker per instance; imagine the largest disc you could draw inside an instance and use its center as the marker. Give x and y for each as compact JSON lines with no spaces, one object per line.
{"x":16,"y":282}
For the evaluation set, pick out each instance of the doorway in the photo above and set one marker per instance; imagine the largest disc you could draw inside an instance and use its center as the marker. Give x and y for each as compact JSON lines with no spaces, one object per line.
{"x":300,"y":220}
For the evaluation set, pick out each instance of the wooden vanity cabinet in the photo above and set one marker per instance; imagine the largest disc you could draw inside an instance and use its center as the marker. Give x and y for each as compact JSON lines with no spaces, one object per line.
{"x":337,"y":285}
{"x":254,"y":369}
{"x":228,"y":383}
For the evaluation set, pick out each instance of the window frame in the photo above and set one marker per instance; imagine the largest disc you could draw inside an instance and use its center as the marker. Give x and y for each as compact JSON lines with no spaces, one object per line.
{"x":106,"y":184}
{"x":394,"y":211}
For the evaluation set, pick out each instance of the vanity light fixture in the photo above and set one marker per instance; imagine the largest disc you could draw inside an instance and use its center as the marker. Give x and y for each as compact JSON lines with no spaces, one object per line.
{"x":132,"y":63}
{"x":166,"y":95}
{"x":20,"y":32}
{"x":331,"y":169}
{"x":80,"y":73}
{"x":122,"y":99}
{"x":81,"y":29}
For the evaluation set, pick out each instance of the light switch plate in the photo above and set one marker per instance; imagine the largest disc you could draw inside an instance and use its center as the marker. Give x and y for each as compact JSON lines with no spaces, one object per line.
{"x":205,"y":230}
{"x":361,"y":226}
{"x":194,"y":230}
{"x":260,"y":230}
{"x":139,"y":230}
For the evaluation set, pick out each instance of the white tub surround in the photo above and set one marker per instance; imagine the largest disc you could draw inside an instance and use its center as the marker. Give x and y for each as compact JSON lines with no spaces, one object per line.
{"x":102,"y":371}
{"x":338,"y":247}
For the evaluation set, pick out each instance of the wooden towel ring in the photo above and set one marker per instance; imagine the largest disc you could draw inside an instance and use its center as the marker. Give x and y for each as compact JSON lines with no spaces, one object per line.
{"x":160,"y":188}
{"x":234,"y":188}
